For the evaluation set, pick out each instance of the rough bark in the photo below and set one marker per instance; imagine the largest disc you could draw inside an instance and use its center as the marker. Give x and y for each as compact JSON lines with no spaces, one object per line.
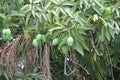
{"x":46,"y":63}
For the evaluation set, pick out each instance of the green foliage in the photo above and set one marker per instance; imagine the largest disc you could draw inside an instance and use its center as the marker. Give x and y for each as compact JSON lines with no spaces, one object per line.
{"x":34,"y":75}
{"x":93,"y":25}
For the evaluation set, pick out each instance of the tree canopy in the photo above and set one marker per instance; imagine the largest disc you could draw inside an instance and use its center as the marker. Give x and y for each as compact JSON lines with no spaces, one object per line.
{"x":59,"y":39}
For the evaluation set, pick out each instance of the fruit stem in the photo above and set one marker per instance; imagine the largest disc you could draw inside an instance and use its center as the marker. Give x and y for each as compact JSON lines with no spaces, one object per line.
{"x":69,"y":31}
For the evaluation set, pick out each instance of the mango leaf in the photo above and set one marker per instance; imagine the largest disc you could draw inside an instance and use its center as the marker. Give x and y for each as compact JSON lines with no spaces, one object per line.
{"x":55,"y":28}
{"x":6,"y":75}
{"x":37,"y":1}
{"x":30,"y":1}
{"x":1,"y":73}
{"x":19,"y":74}
{"x":101,"y":36}
{"x":67,"y":4}
{"x":47,"y":5}
{"x":33,"y":12}
{"x":44,"y":16}
{"x":86,"y":28}
{"x":78,"y":48}
{"x":69,"y":12}
{"x":64,"y":50}
{"x":19,"y":79}
{"x":110,"y":25}
{"x":112,"y":32}
{"x":95,"y":57}
{"x":54,"y":1}
{"x":103,"y":21}
{"x":117,"y":27}
{"x":80,"y":39}
{"x":118,"y":12}
{"x":63,"y":11}
{"x":25,"y":9}
{"x":100,"y":70}
{"x":28,"y":18}
{"x":98,"y":3}
{"x":97,"y":9}
{"x":62,"y":41}
{"x":107,"y":34}
{"x":2,"y":16}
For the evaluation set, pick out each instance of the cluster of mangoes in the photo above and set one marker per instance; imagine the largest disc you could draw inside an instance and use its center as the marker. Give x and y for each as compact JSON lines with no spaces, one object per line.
{"x":55,"y":41}
{"x":64,"y":48}
{"x":38,"y":39}
{"x":69,"y":41}
{"x":6,"y":34}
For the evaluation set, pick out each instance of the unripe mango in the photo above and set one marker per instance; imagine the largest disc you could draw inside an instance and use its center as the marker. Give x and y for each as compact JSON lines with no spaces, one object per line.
{"x":9,"y":37}
{"x":4,"y":31}
{"x":38,"y":37}
{"x":70,"y":41}
{"x":4,"y":37}
{"x":35,"y":43}
{"x":55,"y":41}
{"x":6,"y":34}
{"x":8,"y":31}
{"x":44,"y":38}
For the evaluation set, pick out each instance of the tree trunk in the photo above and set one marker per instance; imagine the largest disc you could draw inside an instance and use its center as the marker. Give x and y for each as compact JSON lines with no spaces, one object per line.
{"x":46,"y":62}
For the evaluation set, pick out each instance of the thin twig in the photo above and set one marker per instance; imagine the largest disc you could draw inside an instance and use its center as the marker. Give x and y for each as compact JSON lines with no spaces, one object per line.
{"x":79,"y":65}
{"x":65,"y":61}
{"x":116,"y":67}
{"x":93,"y":45}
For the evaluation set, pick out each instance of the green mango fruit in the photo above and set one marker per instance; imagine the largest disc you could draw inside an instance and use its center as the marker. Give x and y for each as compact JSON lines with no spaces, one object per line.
{"x":55,"y":41}
{"x":44,"y":38}
{"x":35,"y":43}
{"x":4,"y":31}
{"x":8,"y":31}
{"x":4,"y":37}
{"x":70,"y":41}
{"x":6,"y":34}
{"x":38,"y":37}
{"x":9,"y":37}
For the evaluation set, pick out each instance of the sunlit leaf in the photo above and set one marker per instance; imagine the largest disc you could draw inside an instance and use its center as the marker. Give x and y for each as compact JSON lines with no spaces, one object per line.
{"x":79,"y":48}
{"x":55,"y":28}
{"x":94,"y":57}
{"x":2,"y":16}
{"x":6,"y":75}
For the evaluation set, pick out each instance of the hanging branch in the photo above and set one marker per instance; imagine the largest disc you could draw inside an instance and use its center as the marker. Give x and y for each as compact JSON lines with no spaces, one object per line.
{"x":65,"y":72}
{"x":93,"y":45}
{"x":79,"y":65}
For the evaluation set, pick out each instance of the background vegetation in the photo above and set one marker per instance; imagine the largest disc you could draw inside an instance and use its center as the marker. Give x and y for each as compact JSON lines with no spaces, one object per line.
{"x":34,"y":41}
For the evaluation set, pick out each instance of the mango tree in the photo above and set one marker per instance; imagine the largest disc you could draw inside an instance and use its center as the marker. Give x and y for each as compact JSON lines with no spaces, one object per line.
{"x":59,"y":39}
